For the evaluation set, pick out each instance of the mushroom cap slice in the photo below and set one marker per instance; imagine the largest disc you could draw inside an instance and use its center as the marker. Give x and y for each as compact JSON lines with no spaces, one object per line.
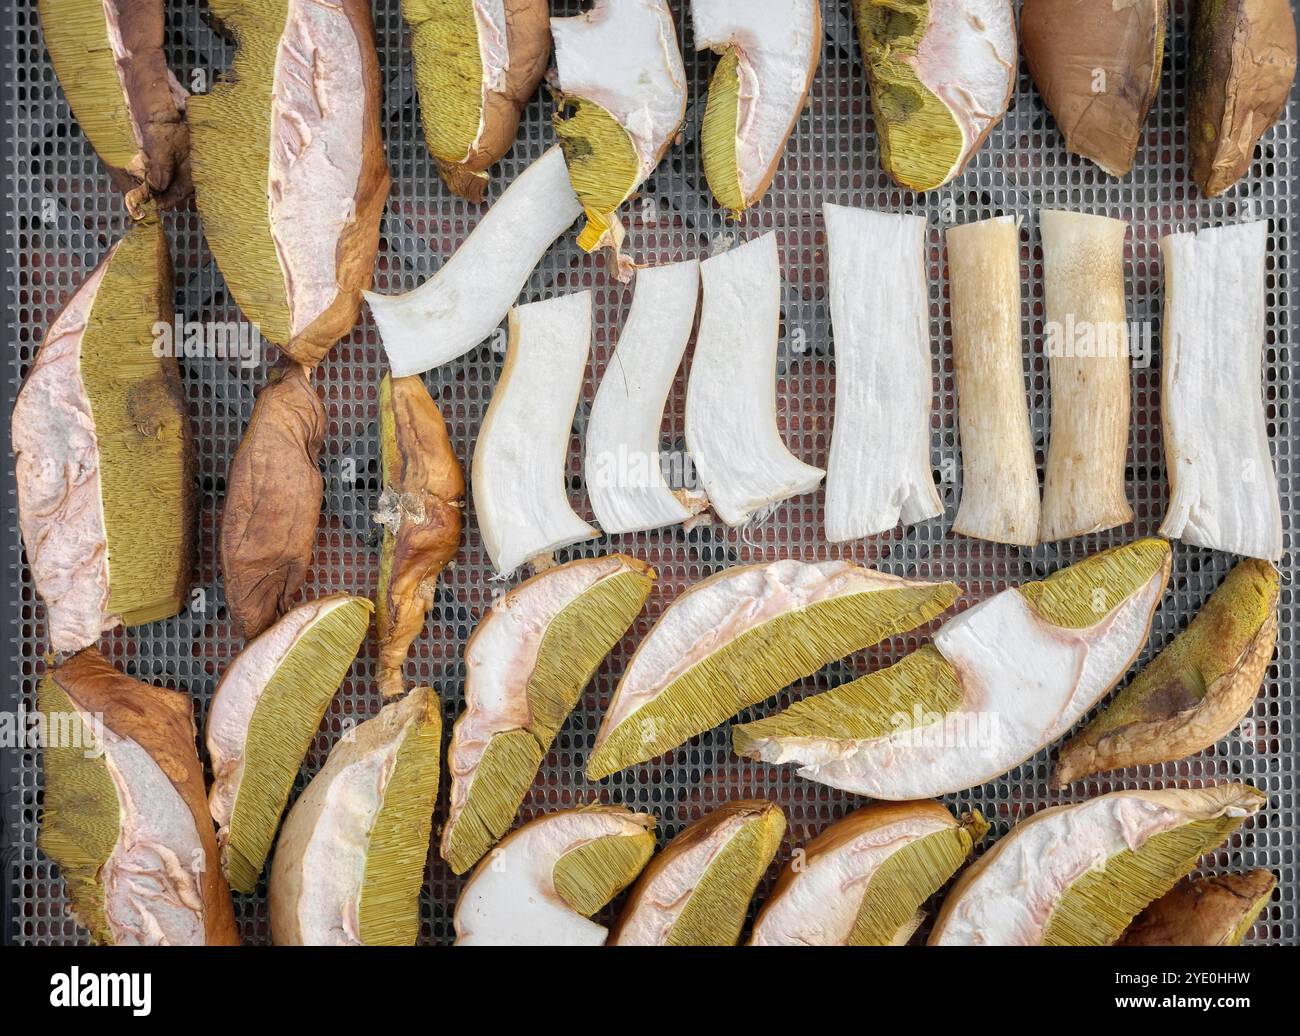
{"x":124,"y":816}
{"x":769,"y":54}
{"x":1077,"y":875}
{"x":546,"y":878}
{"x":266,"y":709}
{"x":740,"y":636}
{"x":1195,"y":691}
{"x":350,"y":859}
{"x":941,"y":74}
{"x":697,"y":891}
{"x":1214,"y":911}
{"x":526,"y":666}
{"x":861,"y":882}
{"x":1001,"y":681}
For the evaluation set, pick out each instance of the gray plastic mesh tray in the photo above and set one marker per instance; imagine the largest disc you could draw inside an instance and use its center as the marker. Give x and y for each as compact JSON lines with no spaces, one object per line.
{"x":62,"y":214}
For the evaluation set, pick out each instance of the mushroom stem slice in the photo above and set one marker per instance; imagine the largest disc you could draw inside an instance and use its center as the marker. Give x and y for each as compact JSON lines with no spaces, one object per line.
{"x":526,"y":665}
{"x":518,"y":476}
{"x":1087,"y":347}
{"x":1224,"y":491}
{"x":1077,"y":875}
{"x":999,"y":500}
{"x":549,"y":876}
{"x":266,"y":710}
{"x":1214,"y":911}
{"x":123,"y":814}
{"x":350,"y":859}
{"x":731,"y":424}
{"x":862,"y":881}
{"x":1195,"y":691}
{"x":462,"y":304}
{"x":740,"y":636}
{"x":697,"y":891}
{"x":770,"y":50}
{"x":624,"y":474}
{"x":1001,"y":681}
{"x":879,"y":469}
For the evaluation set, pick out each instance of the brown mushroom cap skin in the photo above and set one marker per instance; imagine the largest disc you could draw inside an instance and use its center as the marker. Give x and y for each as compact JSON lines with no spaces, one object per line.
{"x":1216,"y":911}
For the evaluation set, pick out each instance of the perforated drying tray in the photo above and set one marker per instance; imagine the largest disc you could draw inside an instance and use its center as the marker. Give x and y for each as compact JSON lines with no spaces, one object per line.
{"x":62,"y":214}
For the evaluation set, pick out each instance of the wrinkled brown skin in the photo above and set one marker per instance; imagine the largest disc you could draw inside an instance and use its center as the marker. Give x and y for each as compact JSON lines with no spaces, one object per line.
{"x":1065,"y":40}
{"x":1202,"y":912}
{"x":273,"y":499}
{"x":161,"y":721}
{"x":1242,"y":58}
{"x":430,"y":480}
{"x":528,"y":38}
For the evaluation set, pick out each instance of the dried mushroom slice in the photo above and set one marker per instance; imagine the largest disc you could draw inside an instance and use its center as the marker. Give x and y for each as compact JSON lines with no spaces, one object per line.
{"x":1214,"y":911}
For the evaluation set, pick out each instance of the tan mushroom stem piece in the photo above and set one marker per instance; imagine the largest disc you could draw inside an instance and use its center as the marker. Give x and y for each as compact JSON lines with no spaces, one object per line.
{"x":1215,"y":911}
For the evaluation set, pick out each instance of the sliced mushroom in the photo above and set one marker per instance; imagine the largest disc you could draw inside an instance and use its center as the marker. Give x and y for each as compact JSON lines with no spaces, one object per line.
{"x":1215,"y":911}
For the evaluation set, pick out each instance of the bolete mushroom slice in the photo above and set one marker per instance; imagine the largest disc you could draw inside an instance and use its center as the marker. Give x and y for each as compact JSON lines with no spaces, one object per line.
{"x":547,"y":878}
{"x":1001,"y":681}
{"x":520,"y":492}
{"x":1077,"y":875}
{"x":477,"y":62}
{"x":289,"y":169}
{"x":526,"y":666}
{"x":462,"y":304}
{"x":1195,"y":691}
{"x":350,"y":859}
{"x":697,"y":891}
{"x":266,"y":709}
{"x":862,"y":881}
{"x":124,"y":816}
{"x":769,"y":54}
{"x":104,"y":457}
{"x":739,"y":637}
{"x":1214,"y":911}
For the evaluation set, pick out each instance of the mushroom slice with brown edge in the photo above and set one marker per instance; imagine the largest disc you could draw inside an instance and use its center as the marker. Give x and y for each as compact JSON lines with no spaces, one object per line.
{"x":123,"y":813}
{"x":462,"y":304}
{"x":1214,"y":911}
{"x":740,"y":636}
{"x":1242,"y":58}
{"x":621,"y":88}
{"x":350,"y":859}
{"x":1097,"y":66}
{"x":862,"y":881}
{"x":274,"y":491}
{"x":104,"y":454}
{"x":1001,"y":681}
{"x":419,"y":509}
{"x":264,"y":714}
{"x":108,"y":55}
{"x":941,"y":74}
{"x":769,"y":53}
{"x":1077,"y":875}
{"x":289,"y":170}
{"x":697,"y":891}
{"x":477,"y":62}
{"x":1195,"y":691}
{"x":526,"y":666}
{"x":1224,"y":492}
{"x":1087,"y":346}
{"x":549,"y":876}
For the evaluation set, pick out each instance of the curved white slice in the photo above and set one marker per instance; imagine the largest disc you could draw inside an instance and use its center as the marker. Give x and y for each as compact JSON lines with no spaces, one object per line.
{"x":1008,"y":896}
{"x":500,"y":659}
{"x":777,"y":45}
{"x":519,"y":462}
{"x":493,"y":54}
{"x":879,"y":470}
{"x":623,"y":56}
{"x":731,"y":429}
{"x":1024,"y":680}
{"x":1224,"y":491}
{"x":624,"y":477}
{"x":820,"y":905}
{"x":510,"y":900}
{"x":464,"y":302}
